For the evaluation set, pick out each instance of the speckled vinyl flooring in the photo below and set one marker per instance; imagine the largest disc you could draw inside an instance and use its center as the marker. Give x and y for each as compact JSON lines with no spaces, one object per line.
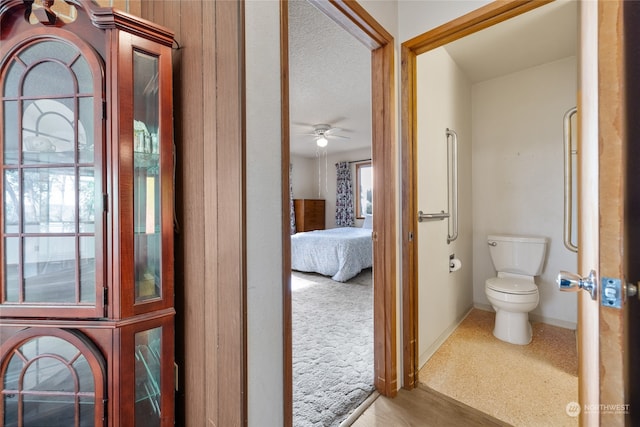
{"x":523,"y":385}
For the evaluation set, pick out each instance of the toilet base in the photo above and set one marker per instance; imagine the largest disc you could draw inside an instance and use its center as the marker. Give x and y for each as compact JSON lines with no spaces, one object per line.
{"x":512,"y":327}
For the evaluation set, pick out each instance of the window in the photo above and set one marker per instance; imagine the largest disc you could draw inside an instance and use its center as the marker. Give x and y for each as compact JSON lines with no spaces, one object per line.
{"x":364,"y":189}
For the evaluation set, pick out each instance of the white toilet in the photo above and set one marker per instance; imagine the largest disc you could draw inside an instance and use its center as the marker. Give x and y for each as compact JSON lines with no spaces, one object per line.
{"x":513,"y":294}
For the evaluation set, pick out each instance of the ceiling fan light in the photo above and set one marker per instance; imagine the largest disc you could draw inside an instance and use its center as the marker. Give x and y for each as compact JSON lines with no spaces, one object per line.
{"x":322,"y":141}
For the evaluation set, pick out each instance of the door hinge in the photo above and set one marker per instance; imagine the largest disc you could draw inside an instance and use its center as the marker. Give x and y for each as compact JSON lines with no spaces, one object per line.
{"x":105,"y":202}
{"x":104,"y":110}
{"x":105,"y":297}
{"x":411,"y":236}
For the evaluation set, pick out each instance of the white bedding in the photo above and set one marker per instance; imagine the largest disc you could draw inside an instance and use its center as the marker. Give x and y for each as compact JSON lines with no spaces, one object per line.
{"x":337,"y":252}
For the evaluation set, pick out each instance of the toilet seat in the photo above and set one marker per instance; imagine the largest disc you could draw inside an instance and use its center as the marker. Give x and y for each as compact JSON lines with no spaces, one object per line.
{"x":512,"y":285}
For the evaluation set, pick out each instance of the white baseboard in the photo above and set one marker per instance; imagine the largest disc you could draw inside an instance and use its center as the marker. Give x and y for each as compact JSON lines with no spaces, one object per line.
{"x":426,"y":355}
{"x":483,"y":307}
{"x":535,"y":318}
{"x":555,"y":322}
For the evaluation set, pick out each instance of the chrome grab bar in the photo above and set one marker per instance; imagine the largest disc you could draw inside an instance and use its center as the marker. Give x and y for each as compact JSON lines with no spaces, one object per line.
{"x":432,"y":216}
{"x":452,"y":191}
{"x":568,"y":180}
{"x":452,"y":186}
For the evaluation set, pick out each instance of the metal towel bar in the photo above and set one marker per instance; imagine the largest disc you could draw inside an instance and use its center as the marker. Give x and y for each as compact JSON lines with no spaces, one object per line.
{"x":568,"y":180}
{"x":432,"y":216}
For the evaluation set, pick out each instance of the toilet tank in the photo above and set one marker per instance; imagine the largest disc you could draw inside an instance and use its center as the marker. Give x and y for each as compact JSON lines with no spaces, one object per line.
{"x":517,"y":254}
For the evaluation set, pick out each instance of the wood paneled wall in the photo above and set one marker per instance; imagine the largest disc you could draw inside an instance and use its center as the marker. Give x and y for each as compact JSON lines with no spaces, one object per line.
{"x":210,"y":188}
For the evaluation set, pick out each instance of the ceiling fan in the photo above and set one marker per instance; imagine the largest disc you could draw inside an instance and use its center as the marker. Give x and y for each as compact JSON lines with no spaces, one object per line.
{"x":323,"y":132}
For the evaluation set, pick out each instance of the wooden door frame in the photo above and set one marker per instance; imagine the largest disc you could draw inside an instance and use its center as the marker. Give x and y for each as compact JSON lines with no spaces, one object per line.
{"x":477,"y":20}
{"x":609,"y":155}
{"x":359,"y":23}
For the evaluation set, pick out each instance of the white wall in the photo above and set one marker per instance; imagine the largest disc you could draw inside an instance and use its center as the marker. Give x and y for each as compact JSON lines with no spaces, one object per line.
{"x":304,"y":177}
{"x":444,"y":101}
{"x":385,"y":12}
{"x":264,"y":215}
{"x":518,"y":174}
{"x":419,"y":16}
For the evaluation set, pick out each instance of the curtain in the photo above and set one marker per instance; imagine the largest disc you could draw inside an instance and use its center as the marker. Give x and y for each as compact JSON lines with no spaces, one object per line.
{"x":292,"y":209}
{"x":344,"y":196}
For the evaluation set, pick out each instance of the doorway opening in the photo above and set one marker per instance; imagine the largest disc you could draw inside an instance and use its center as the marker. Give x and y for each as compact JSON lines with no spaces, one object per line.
{"x":491,"y":142}
{"x":357,"y":22}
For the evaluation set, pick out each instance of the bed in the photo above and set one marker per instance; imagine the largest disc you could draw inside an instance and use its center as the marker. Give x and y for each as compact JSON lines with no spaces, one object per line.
{"x":341,"y":253}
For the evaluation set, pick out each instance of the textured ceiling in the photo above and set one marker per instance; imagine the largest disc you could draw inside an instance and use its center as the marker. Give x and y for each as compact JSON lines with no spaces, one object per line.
{"x":543,"y":35}
{"x":330,"y":71}
{"x":330,"y":81}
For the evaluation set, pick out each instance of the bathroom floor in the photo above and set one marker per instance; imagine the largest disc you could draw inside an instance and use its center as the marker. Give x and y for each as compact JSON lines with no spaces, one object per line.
{"x":522,"y":385}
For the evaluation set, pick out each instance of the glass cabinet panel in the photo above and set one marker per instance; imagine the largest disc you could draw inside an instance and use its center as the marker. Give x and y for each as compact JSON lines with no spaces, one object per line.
{"x":49,"y":196}
{"x":10,"y":139}
{"x":86,"y":209}
{"x":49,"y":278}
{"x":146,"y":180}
{"x":48,"y":381}
{"x":147,"y":358}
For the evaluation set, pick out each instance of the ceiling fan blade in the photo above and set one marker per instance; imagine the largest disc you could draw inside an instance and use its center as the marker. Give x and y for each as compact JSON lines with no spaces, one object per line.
{"x":332,"y":130}
{"x":337,"y":136}
{"x":306,"y":125}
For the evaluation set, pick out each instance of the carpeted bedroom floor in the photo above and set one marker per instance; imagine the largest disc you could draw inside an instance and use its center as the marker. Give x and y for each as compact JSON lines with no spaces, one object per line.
{"x":332,"y":326}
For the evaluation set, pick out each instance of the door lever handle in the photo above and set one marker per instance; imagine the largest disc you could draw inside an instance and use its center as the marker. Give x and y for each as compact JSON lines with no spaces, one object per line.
{"x":570,"y":282}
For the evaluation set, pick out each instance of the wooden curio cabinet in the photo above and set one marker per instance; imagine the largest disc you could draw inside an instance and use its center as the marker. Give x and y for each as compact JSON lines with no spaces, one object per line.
{"x":86,"y":245}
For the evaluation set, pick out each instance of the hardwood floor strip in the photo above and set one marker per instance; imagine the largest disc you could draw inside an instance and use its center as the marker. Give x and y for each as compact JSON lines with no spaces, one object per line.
{"x":423,"y":407}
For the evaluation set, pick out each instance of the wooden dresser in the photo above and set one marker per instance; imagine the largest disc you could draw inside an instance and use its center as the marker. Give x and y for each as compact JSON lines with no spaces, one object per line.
{"x":309,"y":214}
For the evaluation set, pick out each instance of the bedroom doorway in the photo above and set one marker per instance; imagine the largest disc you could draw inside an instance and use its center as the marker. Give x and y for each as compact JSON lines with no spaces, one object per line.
{"x":357,"y":22}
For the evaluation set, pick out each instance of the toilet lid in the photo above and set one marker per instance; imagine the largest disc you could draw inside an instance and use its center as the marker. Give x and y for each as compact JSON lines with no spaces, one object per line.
{"x":512,"y":285}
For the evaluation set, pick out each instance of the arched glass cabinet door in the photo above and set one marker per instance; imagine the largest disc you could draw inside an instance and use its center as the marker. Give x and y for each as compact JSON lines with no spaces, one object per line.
{"x":51,"y":157}
{"x":51,"y":377}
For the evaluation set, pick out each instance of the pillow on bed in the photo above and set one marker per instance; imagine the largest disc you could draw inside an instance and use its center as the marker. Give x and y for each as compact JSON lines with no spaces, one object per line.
{"x":368,"y":221}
